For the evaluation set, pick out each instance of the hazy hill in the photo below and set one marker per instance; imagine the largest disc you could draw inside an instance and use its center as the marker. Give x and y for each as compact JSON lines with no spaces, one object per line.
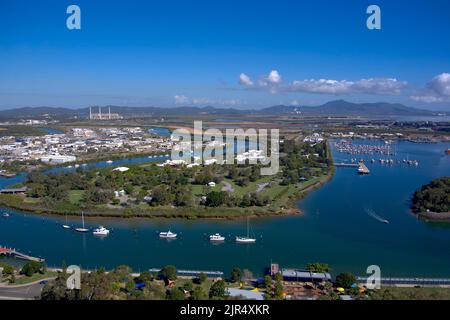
{"x":342,"y":107}
{"x":332,"y":108}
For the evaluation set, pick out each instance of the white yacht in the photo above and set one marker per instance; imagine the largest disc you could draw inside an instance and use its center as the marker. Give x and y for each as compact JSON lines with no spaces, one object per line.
{"x":167,"y":235}
{"x":6,"y":215}
{"x":83,"y":229}
{"x":109,"y":161}
{"x":101,"y":231}
{"x":216,"y":237}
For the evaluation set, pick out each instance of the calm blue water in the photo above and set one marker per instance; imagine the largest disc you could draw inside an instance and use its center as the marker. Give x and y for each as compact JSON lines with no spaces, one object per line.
{"x":336,"y":229}
{"x":164,"y":132}
{"x":51,"y":130}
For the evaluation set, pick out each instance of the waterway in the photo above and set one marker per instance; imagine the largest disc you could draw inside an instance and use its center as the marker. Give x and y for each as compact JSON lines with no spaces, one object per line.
{"x":336,"y":229}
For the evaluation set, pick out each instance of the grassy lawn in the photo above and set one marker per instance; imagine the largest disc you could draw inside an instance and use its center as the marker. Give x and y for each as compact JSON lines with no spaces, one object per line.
{"x":75,"y":196}
{"x":35,"y":277}
{"x":31,"y":200}
{"x":393,"y":293}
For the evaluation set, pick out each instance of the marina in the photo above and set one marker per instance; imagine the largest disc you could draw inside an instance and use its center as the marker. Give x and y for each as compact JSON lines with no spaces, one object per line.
{"x":406,"y":247}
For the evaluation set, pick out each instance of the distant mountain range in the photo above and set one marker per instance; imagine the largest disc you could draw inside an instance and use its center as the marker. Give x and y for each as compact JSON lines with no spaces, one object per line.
{"x":345,"y":108}
{"x":332,"y":108}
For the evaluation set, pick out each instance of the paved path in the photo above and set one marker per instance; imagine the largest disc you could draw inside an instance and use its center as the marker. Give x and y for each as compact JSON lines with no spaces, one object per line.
{"x":261,"y":187}
{"x":227,"y":187}
{"x":22,"y":292}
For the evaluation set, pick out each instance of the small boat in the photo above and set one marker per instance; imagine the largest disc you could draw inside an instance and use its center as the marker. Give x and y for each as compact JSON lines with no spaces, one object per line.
{"x":167,"y":235}
{"x":77,"y":166}
{"x":83,"y":229}
{"x":66,"y":226}
{"x":101,"y":231}
{"x":246,"y":239}
{"x":376,"y":217}
{"x":109,"y":161}
{"x":6,"y":215}
{"x":216,"y":237}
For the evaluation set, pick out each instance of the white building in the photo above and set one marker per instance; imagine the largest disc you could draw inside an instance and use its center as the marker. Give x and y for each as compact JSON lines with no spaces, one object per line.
{"x":57,"y":158}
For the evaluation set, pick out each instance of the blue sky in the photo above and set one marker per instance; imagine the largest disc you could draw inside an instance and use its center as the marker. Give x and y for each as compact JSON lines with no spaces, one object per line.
{"x":246,"y":54}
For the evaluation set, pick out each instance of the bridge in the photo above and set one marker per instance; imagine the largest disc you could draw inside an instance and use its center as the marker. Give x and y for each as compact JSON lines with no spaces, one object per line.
{"x":14,"y":253}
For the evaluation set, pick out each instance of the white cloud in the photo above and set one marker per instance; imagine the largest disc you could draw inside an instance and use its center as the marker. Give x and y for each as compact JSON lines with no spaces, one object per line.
{"x":184,"y":100}
{"x":441,"y":84}
{"x":269,"y":82}
{"x":181,"y":99}
{"x":426,"y":98}
{"x":245,"y":80}
{"x":274,"y":77}
{"x":367,"y":86}
{"x":437,"y":90}
{"x":273,"y":84}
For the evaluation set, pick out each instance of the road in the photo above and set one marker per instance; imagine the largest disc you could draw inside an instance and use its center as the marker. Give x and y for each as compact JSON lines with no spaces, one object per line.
{"x":25,"y":292}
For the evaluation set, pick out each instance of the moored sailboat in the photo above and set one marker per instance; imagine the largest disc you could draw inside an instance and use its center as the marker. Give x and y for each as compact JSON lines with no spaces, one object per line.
{"x":83,"y":229}
{"x":246,"y":239}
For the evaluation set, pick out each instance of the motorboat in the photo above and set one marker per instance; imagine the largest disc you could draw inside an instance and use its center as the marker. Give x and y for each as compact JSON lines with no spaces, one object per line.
{"x":6,"y":215}
{"x":101,"y":231}
{"x":216,"y":237}
{"x":109,"y":161}
{"x":167,"y":235}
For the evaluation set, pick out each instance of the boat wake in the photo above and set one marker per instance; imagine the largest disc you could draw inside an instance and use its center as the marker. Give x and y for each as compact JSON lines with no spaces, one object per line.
{"x":372,"y":214}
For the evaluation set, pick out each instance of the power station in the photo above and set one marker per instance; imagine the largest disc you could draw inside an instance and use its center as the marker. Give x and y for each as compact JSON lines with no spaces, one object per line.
{"x":103,"y":116}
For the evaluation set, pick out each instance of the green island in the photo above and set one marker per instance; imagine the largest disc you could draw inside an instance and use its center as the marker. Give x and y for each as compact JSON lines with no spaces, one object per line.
{"x":152,"y":190}
{"x":432,"y":201}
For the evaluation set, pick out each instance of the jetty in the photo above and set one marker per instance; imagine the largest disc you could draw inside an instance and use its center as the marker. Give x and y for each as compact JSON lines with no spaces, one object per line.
{"x":193,"y":273}
{"x":363,"y":168}
{"x":410,"y":282}
{"x":346,"y":165}
{"x":4,"y":251}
